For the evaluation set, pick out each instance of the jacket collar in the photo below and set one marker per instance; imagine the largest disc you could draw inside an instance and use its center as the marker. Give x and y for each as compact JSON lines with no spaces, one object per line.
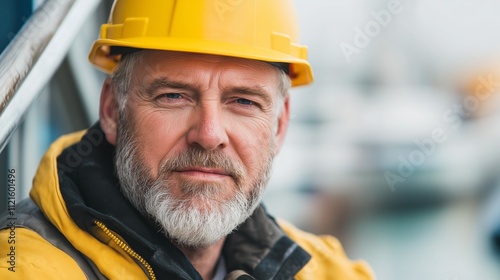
{"x":92,"y":192}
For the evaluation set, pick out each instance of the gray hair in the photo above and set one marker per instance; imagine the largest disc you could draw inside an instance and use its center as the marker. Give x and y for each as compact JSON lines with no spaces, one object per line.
{"x":122,"y":77}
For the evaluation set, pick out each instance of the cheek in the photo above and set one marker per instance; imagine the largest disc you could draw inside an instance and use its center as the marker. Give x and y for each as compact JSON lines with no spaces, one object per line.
{"x":252,"y":141}
{"x":157,"y":135}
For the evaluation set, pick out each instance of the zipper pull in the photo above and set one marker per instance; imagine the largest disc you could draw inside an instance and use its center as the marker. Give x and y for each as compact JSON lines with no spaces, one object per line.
{"x":239,"y":275}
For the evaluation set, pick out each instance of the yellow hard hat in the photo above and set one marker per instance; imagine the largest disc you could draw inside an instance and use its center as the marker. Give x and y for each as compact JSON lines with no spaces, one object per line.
{"x":263,"y":30}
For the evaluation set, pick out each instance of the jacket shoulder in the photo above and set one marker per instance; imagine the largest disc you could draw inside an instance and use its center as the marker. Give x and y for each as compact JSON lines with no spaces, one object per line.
{"x":34,"y":247}
{"x":26,"y":255}
{"x":328,"y":259}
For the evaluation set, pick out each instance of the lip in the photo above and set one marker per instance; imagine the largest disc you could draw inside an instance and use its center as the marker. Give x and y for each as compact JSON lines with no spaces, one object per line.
{"x":203,"y":172}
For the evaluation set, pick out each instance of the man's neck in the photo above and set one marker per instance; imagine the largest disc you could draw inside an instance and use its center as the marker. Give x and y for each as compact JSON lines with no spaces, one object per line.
{"x":204,"y":259}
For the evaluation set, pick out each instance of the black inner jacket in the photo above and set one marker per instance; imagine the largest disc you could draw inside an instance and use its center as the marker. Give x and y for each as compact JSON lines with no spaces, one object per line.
{"x":92,"y":193}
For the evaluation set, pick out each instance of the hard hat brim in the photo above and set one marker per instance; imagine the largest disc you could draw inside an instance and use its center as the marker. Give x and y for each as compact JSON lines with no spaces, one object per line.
{"x":300,"y":72}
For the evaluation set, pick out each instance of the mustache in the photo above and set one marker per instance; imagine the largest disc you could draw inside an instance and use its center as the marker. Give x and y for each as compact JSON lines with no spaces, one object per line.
{"x":199,"y":157}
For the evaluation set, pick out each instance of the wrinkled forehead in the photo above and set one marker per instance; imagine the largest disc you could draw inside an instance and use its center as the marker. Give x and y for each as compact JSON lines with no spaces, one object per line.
{"x":196,"y":68}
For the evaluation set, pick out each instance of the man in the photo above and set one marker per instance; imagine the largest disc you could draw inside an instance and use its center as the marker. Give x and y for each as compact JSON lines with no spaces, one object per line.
{"x":167,"y":185}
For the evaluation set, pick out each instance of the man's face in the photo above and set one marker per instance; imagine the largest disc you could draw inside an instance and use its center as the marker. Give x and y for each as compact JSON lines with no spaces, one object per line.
{"x":196,"y":139}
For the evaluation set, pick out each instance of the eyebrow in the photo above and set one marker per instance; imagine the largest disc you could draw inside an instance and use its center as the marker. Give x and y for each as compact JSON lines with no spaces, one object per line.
{"x":258,"y":91}
{"x":164,"y":82}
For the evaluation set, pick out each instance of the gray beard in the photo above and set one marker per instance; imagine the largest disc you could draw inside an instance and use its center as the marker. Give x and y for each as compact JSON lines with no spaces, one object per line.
{"x":186,"y":224}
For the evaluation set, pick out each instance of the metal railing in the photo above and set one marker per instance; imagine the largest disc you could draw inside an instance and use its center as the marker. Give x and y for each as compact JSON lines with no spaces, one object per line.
{"x":33,"y":56}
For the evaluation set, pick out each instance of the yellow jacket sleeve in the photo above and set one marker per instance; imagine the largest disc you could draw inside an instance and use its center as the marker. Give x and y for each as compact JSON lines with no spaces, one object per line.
{"x":32,"y":257}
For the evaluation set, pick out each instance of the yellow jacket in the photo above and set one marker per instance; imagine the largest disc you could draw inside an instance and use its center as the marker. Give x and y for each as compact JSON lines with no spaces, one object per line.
{"x":36,"y":258}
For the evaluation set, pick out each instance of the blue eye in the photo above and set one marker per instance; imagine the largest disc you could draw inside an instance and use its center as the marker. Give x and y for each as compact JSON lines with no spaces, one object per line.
{"x":244,"y":101}
{"x":173,"y":95}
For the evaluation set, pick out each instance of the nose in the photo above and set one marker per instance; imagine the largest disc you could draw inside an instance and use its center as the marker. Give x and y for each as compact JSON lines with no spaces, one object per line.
{"x":207,"y":130}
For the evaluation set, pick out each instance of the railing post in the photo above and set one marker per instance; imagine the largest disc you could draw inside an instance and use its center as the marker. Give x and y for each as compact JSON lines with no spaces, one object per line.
{"x":33,"y":56}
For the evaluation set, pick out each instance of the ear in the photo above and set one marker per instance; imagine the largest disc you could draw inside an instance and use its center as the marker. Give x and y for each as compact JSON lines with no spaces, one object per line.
{"x":108,"y":111}
{"x":283,"y":119}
